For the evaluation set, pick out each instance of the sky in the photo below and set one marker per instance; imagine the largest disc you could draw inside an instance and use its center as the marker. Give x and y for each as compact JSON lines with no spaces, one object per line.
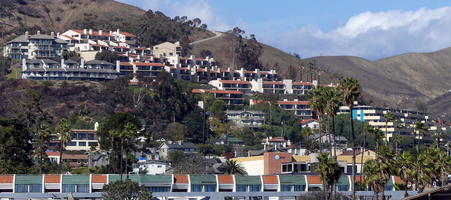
{"x":365,"y":28}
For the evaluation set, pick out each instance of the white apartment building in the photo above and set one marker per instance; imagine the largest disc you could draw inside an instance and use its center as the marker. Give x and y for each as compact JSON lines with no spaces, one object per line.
{"x":246,"y":118}
{"x":35,"y":46}
{"x":167,"y":49}
{"x":299,"y":108}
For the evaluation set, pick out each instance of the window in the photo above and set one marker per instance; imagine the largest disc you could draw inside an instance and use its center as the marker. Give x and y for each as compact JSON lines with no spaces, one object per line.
{"x":68,"y":188}
{"x":343,"y":188}
{"x":157,"y":189}
{"x":21,"y":188}
{"x":254,"y":188}
{"x":83,"y":188}
{"x":92,"y":144}
{"x":298,"y":188}
{"x":82,"y":144}
{"x":241,"y":188}
{"x":71,"y":144}
{"x":210,"y":188}
{"x":286,"y":188}
{"x":196,"y":188}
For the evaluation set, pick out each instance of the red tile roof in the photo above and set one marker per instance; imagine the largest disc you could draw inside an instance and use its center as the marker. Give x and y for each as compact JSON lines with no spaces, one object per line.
{"x":69,"y":37}
{"x":398,"y":180}
{"x":125,"y":64}
{"x":6,"y":178}
{"x":52,"y":153}
{"x":225,"y":179}
{"x":233,"y":82}
{"x":314,"y":180}
{"x":305,"y":121}
{"x":276,"y":139}
{"x":360,"y":179}
{"x":120,"y":47}
{"x":180,"y":179}
{"x":225,"y":92}
{"x":293,"y":102}
{"x":99,"y":178}
{"x":52,"y":178}
{"x":149,"y":64}
{"x":94,"y":33}
{"x":270,"y":180}
{"x":127,"y":34}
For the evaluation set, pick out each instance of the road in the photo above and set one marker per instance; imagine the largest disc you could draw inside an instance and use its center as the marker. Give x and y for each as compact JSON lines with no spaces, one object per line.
{"x":217,"y":34}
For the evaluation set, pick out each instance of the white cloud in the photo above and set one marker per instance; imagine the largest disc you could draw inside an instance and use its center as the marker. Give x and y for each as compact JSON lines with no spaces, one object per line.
{"x":189,"y":8}
{"x":371,"y":35}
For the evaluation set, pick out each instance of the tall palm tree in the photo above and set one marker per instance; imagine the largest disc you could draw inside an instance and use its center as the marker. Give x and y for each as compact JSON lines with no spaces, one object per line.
{"x":350,"y":89}
{"x":379,"y":137}
{"x":366,"y":129}
{"x":232,"y":167}
{"x":333,"y":98}
{"x":329,"y":172}
{"x":64,"y":135}
{"x":318,"y":102}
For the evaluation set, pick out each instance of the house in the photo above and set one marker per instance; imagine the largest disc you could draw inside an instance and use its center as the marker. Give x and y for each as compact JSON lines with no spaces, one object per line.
{"x":275,"y":143}
{"x":340,"y":141}
{"x":166,"y":147}
{"x":167,"y":49}
{"x":310,"y":123}
{"x":73,"y":158}
{"x":246,"y":118}
{"x":299,"y":108}
{"x":150,"y":167}
{"x":229,"y":139}
{"x":98,"y":159}
{"x":38,"y":46}
{"x":83,"y":140}
{"x":45,"y":69}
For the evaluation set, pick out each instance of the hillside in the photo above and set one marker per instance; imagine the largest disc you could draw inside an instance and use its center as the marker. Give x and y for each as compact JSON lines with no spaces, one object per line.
{"x":399,"y":80}
{"x":441,"y":106}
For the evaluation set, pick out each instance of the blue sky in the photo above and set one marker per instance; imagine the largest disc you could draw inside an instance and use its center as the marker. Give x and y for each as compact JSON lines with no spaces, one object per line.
{"x":366,"y":28}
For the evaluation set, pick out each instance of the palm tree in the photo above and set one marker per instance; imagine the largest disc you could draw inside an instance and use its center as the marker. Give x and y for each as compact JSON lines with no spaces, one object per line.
{"x":329,"y":172}
{"x":379,"y":137}
{"x":350,"y":90}
{"x":232,"y":167}
{"x":318,"y":102}
{"x":386,"y":163}
{"x":388,"y":117}
{"x":404,"y":170}
{"x":333,"y":97}
{"x":367,"y":129}
{"x":64,"y":135}
{"x":373,"y":178}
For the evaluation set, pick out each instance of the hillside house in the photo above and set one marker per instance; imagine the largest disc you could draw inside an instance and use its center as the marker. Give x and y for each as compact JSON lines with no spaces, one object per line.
{"x":38,"y":46}
{"x":166,"y":147}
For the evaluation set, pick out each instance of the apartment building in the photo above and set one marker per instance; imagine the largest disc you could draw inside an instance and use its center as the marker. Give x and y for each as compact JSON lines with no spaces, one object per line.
{"x":145,"y":69}
{"x":45,"y":69}
{"x":285,"y":86}
{"x":35,"y":46}
{"x":167,"y":49}
{"x":229,"y":97}
{"x":83,"y":140}
{"x":403,"y":123}
{"x":299,"y":108}
{"x":246,"y":118}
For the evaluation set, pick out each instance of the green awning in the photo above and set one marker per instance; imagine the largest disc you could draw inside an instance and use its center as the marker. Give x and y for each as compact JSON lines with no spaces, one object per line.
{"x":343,"y":180}
{"x":248,"y":180}
{"x":156,"y":179}
{"x":292,"y":180}
{"x":76,"y":179}
{"x":203,"y":179}
{"x":28,"y":179}
{"x":117,"y":177}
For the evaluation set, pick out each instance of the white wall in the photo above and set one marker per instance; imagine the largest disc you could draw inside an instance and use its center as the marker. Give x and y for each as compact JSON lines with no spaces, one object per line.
{"x":255,"y":167}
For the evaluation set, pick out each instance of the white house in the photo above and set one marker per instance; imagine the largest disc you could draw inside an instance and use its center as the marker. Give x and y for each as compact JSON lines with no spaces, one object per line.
{"x":150,"y":167}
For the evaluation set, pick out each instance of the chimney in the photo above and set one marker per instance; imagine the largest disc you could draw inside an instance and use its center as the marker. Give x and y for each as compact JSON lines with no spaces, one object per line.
{"x":85,"y":31}
{"x":118,"y":66}
{"x":62,"y":63}
{"x":117,"y":31}
{"x":58,"y":34}
{"x":90,"y":31}
{"x":295,"y":99}
{"x":100,"y":32}
{"x":26,"y":34}
{"x":52,"y":34}
{"x":82,"y":63}
{"x":38,"y":32}
{"x":179,"y":142}
{"x":24,"y":64}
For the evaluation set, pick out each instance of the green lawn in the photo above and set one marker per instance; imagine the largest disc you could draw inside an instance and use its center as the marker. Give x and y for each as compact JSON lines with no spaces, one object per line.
{"x":16,"y":73}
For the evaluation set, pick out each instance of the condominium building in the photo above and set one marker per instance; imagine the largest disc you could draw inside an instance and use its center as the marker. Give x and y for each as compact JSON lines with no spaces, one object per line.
{"x":299,"y":108}
{"x":146,"y":69}
{"x":83,"y":140}
{"x":45,"y":69}
{"x":402,"y":124}
{"x":285,"y":86}
{"x":229,"y":97}
{"x":167,"y":49}
{"x":35,"y":46}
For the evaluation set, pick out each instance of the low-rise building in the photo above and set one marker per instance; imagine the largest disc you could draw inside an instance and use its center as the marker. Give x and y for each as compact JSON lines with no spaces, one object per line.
{"x":246,"y":118}
{"x":166,"y":147}
{"x":45,"y":69}
{"x":83,"y":140}
{"x":275,"y":143}
{"x":228,"y":96}
{"x":150,"y":167}
{"x":167,"y":49}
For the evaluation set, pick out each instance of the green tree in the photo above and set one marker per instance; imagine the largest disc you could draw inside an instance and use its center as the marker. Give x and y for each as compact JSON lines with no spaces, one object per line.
{"x":385,"y":159}
{"x":329,"y":171}
{"x":373,"y":177}
{"x":176,"y":131}
{"x":108,"y":56}
{"x":333,"y":101}
{"x":232,"y":167}
{"x":389,"y":117}
{"x":218,"y":108}
{"x":420,"y":130}
{"x":5,"y":64}
{"x":125,"y":190}
{"x":64,"y":136}
{"x":248,"y":53}
{"x":350,"y":89}
{"x":16,"y":150}
{"x":318,"y":103}
{"x":404,"y":169}
{"x":118,"y":135}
